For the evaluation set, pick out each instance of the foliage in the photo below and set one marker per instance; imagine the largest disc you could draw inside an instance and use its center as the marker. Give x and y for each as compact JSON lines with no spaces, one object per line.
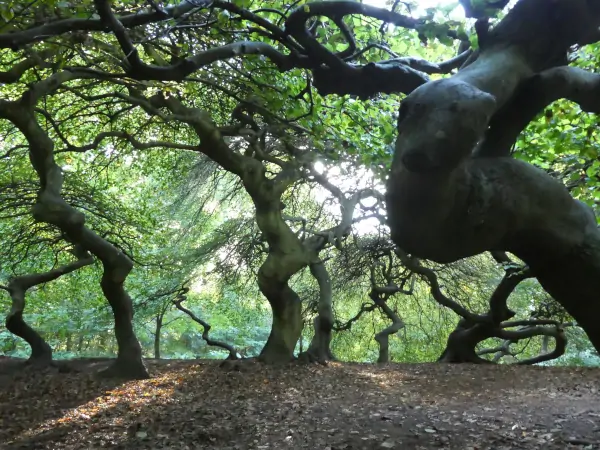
{"x":147,"y":186}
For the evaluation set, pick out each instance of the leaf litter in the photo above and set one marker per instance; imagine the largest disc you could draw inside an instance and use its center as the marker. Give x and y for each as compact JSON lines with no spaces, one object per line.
{"x":206,"y":405}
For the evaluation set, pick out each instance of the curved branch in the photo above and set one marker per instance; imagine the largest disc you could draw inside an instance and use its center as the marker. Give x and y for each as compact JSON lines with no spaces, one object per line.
{"x":559,"y":349}
{"x":139,"y":70}
{"x":181,"y":297}
{"x":138,"y":145}
{"x":15,"y":73}
{"x":499,"y":310}
{"x":415,"y":266}
{"x":18,"y":287}
{"x":364,"y":308}
{"x":532,"y":97}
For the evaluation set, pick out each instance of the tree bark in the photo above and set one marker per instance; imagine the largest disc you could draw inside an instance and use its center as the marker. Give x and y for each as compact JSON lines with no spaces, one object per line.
{"x":286,"y":254}
{"x":462,"y":343}
{"x":287,"y":323}
{"x":320,"y":345}
{"x":445,"y":205}
{"x":41,"y":352}
{"x":129,"y":362}
{"x":69,"y":345}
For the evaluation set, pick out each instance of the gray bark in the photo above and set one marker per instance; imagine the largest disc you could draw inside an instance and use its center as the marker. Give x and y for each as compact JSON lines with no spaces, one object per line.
{"x":445,"y":205}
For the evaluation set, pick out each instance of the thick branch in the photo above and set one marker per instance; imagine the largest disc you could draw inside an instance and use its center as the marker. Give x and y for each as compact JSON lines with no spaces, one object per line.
{"x":532,"y":97}
{"x":559,"y":349}
{"x":15,"y":73}
{"x":498,"y":301}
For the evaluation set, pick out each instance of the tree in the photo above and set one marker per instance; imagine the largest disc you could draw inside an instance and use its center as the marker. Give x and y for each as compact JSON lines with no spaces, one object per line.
{"x":263,"y":95}
{"x":41,"y":352}
{"x":469,"y":204}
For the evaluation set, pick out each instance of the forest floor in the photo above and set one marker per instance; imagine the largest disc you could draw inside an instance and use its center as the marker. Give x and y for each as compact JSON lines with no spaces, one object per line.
{"x":200,"y":405}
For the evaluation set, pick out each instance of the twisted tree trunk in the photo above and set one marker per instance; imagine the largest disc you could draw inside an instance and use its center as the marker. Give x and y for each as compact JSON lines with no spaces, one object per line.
{"x":286,"y":327}
{"x":383,"y":337}
{"x":286,"y":254}
{"x":286,"y":257}
{"x":462,"y":343}
{"x":320,"y":345}
{"x":41,"y":352}
{"x":52,"y":208}
{"x":445,"y":205}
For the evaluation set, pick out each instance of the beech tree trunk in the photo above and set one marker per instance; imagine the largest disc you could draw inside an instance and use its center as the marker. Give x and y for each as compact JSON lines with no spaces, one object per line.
{"x":320,"y":345}
{"x":287,"y":323}
{"x":444,"y":204}
{"x":286,"y":257}
{"x":383,"y":337}
{"x":41,"y":352}
{"x":51,"y":208}
{"x":462,"y":343}
{"x":129,"y":362}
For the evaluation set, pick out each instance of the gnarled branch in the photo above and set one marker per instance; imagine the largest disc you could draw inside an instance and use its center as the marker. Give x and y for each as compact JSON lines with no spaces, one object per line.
{"x":181,"y":297}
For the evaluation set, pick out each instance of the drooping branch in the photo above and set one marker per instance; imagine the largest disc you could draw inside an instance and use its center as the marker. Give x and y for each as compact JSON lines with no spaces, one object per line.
{"x":296,"y":25}
{"x":18,"y":39}
{"x":333,"y":72}
{"x":138,"y":145}
{"x":15,"y":73}
{"x":137,"y":69}
{"x":181,"y":297}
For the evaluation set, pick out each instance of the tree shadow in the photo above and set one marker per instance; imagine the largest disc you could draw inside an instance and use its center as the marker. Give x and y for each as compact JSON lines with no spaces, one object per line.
{"x":31,"y":395}
{"x":203,"y":404}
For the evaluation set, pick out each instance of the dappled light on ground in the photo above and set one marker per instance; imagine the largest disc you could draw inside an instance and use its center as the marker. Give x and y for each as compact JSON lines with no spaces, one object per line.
{"x":197,"y":404}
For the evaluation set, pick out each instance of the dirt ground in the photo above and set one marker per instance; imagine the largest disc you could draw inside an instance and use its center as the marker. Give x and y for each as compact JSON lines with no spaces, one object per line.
{"x":199,"y":405}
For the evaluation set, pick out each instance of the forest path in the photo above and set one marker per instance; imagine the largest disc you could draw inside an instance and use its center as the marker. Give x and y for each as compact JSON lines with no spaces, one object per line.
{"x":200,"y":405}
